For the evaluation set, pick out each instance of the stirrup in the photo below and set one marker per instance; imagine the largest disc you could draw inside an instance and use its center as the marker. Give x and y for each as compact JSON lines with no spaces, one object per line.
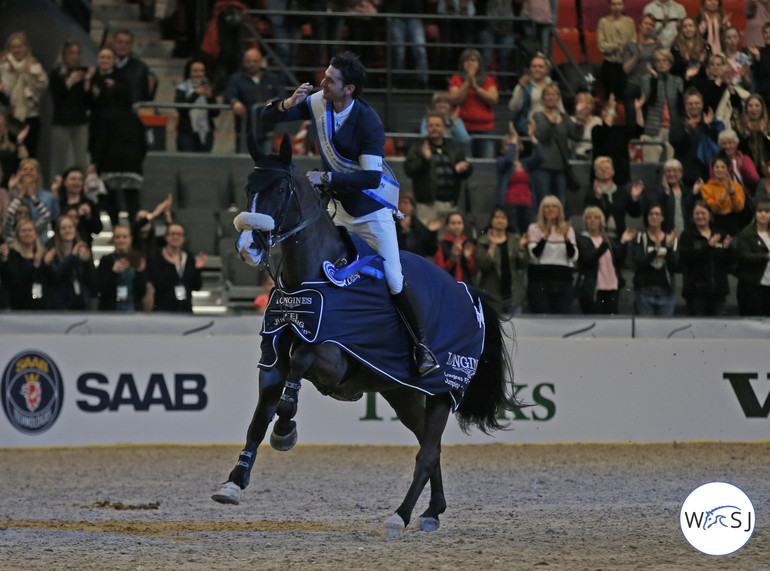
{"x":425,"y":359}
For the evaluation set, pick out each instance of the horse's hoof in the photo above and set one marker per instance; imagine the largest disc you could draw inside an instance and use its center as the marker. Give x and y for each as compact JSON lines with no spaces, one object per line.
{"x":228,"y":493}
{"x":283,"y":443}
{"x":394,"y":527}
{"x":429,"y":523}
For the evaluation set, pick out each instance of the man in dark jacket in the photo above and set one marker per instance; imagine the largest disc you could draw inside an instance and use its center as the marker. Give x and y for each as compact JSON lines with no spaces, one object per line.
{"x":437,"y":167}
{"x":132,"y":70}
{"x":614,"y":201}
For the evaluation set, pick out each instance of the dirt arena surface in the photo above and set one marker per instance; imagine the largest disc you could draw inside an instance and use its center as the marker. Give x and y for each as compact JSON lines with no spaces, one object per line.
{"x":323,"y":507}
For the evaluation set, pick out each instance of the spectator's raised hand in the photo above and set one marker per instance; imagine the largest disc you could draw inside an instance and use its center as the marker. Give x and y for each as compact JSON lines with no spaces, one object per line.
{"x":697,"y":186}
{"x":201,"y":260}
{"x":636,"y":190}
{"x":22,"y":135}
{"x":120,"y":265}
{"x":715,"y":238}
{"x":670,"y":237}
{"x":461,"y":167}
{"x":628,"y":235}
{"x":49,"y":256}
{"x":708,"y":116}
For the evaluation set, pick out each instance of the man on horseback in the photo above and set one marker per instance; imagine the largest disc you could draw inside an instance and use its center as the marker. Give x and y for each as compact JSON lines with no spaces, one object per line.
{"x":351,"y":139}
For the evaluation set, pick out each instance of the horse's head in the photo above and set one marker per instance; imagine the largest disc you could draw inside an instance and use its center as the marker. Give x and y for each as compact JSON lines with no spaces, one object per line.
{"x":281,"y":203}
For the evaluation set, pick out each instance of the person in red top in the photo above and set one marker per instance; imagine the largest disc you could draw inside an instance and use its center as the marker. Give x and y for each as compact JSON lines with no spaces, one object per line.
{"x":456,"y":253}
{"x":475,"y":93}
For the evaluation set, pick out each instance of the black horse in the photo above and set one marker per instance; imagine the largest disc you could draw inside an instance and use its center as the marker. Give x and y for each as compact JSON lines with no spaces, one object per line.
{"x":285,"y":207}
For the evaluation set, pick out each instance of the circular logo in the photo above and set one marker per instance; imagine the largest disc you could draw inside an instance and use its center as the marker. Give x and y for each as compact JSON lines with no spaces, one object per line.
{"x":32,"y":392}
{"x":717,"y":518}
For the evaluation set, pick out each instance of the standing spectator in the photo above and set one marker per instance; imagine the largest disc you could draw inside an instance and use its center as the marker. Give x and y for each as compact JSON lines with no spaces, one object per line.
{"x":674,"y":196}
{"x":72,"y":197}
{"x":456,"y":253}
{"x":753,"y":129}
{"x":738,"y":62}
{"x":526,"y":99}
{"x":455,"y":128}
{"x":458,"y":30}
{"x":19,"y":211}
{"x":413,"y":236}
{"x":70,"y":82}
{"x":611,"y":140}
{"x":638,"y":59}
{"x":174,"y":273}
{"x":143,"y":238}
{"x":69,"y":269}
{"x":408,"y":30}
{"x":105,"y":83}
{"x":552,"y":256}
{"x":541,"y":14}
{"x":654,"y":256}
{"x":694,"y":137}
{"x":726,"y":199}
{"x":689,"y":49}
{"x":667,"y":14}
{"x":719,"y":94}
{"x":513,"y":181}
{"x":247,"y":88}
{"x":600,"y":259}
{"x":23,"y":271}
{"x":712,"y":21}
{"x":553,"y":129}
{"x":583,"y":149}
{"x":612,"y":35}
{"x":706,"y":259}
{"x":615,"y":201}
{"x":742,"y":169}
{"x":475,"y":92}
{"x":287,"y":27}
{"x":12,"y":150}
{"x":118,"y":151}
{"x":132,"y":70}
{"x":24,"y":81}
{"x":761,"y":65}
{"x":757,"y":15}
{"x":437,"y":167}
{"x":497,"y":35}
{"x":665,"y":105}
{"x":501,"y":255}
{"x":195,"y":131}
{"x":120,"y":278}
{"x":29,"y":188}
{"x":753,"y":251}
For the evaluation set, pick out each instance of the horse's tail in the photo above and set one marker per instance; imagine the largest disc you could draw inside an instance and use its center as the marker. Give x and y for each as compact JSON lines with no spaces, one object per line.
{"x":490,"y":391}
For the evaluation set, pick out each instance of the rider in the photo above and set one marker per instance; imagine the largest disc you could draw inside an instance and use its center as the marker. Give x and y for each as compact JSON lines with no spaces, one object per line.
{"x":351,"y":139}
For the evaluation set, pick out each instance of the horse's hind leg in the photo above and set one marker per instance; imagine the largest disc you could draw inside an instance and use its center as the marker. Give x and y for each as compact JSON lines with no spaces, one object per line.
{"x":428,"y":425}
{"x":270,"y":386}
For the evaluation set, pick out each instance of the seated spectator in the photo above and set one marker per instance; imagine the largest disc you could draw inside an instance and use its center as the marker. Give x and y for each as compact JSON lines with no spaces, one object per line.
{"x":527,"y":95}
{"x":552,"y":255}
{"x":69,"y":269}
{"x":513,"y":187}
{"x":69,"y":85}
{"x":612,"y":34}
{"x":501,"y":255}
{"x":689,"y":49}
{"x":665,"y":105}
{"x":413,"y":236}
{"x":554,"y":129}
{"x":719,"y":94}
{"x":694,"y":138}
{"x":24,"y":80}
{"x":73,"y":195}
{"x":706,"y":259}
{"x":753,"y":127}
{"x":742,"y":169}
{"x":22,"y":272}
{"x":28,"y":187}
{"x":130,"y":69}
{"x":674,"y":196}
{"x":195,"y":130}
{"x":437,"y":167}
{"x":475,"y":92}
{"x":12,"y":150}
{"x":712,"y":21}
{"x":610,"y":139}
{"x":174,"y":273}
{"x":638,"y":59}
{"x":600,"y":259}
{"x":615,"y":201}
{"x":738,"y":62}
{"x":761,"y":65}
{"x":725,"y":198}
{"x":654,"y":256}
{"x":583,"y":149}
{"x":455,"y":128}
{"x":753,"y":251}
{"x":457,"y":254}
{"x":757,"y":14}
{"x":121,"y":282}
{"x":667,"y":14}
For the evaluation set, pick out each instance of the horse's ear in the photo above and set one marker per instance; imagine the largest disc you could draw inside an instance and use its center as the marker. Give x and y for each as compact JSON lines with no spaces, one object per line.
{"x":255,"y":150}
{"x":286,"y":150}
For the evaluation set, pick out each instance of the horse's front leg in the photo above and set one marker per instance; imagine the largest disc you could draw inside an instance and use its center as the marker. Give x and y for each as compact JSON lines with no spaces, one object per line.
{"x":270,"y":386}
{"x":284,"y":435}
{"x":426,"y":467}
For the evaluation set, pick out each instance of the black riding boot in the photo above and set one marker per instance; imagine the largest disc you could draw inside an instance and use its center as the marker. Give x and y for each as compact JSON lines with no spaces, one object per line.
{"x":406,"y":304}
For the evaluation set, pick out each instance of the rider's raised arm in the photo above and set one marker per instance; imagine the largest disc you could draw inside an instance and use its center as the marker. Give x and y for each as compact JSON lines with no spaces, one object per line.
{"x":273,"y":113}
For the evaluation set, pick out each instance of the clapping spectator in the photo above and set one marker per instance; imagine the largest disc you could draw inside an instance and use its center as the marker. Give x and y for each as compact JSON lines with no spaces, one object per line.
{"x":761,"y":65}
{"x":610,"y":138}
{"x":674,"y":196}
{"x":694,"y":137}
{"x":175,"y":273}
{"x":456,"y":253}
{"x":23,"y":269}
{"x":638,"y":58}
{"x":612,"y":35}
{"x":526,"y":98}
{"x":132,"y":70}
{"x":667,"y":14}
{"x":72,"y":197}
{"x":757,"y":15}
{"x":753,"y":250}
{"x":725,"y":198}
{"x":583,"y":149}
{"x":120,"y":278}
{"x":24,"y":81}
{"x":689,"y":49}
{"x":195,"y":131}
{"x":414,"y":236}
{"x":741,"y":167}
{"x":738,"y":62}
{"x":475,"y":92}
{"x":455,"y":128}
{"x":753,"y":129}
{"x":70,"y":82}
{"x":12,"y":150}
{"x":69,"y":269}
{"x":706,"y":260}
{"x":143,"y":237}
{"x":665,"y":105}
{"x":552,"y":255}
{"x":105,"y":85}
{"x":719,"y":94}
{"x":616,"y":202}
{"x":712,"y":21}
{"x":27,"y":186}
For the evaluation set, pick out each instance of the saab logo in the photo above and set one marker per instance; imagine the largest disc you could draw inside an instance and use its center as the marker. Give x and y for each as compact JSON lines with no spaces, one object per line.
{"x":188,"y":394}
{"x":717,"y":518}
{"x":747,"y":398}
{"x":32,"y":392}
{"x":462,"y":363}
